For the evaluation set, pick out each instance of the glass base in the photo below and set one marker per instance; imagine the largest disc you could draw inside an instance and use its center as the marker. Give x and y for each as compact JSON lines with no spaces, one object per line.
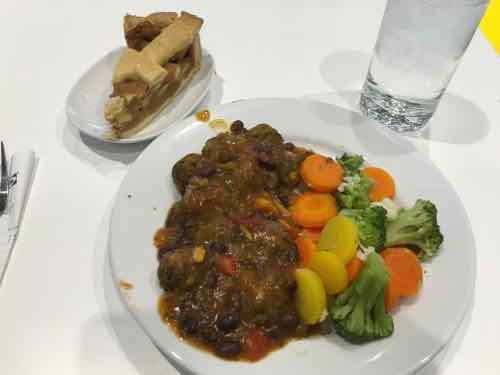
{"x":399,"y":114}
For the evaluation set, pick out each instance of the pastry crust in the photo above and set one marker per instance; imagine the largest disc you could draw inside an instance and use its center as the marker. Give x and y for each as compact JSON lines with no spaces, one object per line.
{"x":151,"y":73}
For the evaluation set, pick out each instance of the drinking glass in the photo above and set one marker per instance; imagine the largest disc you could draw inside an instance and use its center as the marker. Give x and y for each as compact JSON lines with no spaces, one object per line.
{"x":419,"y":45}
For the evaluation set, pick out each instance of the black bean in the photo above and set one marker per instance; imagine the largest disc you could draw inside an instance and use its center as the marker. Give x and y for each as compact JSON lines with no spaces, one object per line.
{"x":289,"y":321}
{"x":205,"y":168}
{"x":211,"y":279}
{"x":289,"y":146}
{"x":292,"y":255}
{"x":284,"y":199}
{"x":237,"y":127}
{"x":265,"y":161}
{"x":228,"y":348}
{"x":210,"y":334}
{"x":273,"y":331}
{"x":217,"y":247}
{"x":189,"y":326}
{"x":227,"y":323}
{"x":235,"y":299}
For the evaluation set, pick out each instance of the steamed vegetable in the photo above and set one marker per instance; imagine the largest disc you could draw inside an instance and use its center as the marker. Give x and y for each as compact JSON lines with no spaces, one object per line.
{"x":390,"y":206}
{"x":351,"y":163}
{"x":405,"y":274}
{"x":416,"y":226}
{"x":371,"y":225}
{"x":313,"y":210}
{"x":331,"y":270}
{"x":358,"y":314}
{"x":354,"y":191}
{"x":353,"y":268}
{"x":339,"y":236}
{"x":383,"y":183}
{"x":313,"y":234}
{"x":391,"y":298}
{"x":306,"y":247}
{"x":310,"y":296}
{"x":321,"y":174}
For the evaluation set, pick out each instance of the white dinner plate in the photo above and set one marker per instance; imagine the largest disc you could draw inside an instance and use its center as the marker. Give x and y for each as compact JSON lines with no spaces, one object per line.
{"x":422,"y":327}
{"x":86,"y":100}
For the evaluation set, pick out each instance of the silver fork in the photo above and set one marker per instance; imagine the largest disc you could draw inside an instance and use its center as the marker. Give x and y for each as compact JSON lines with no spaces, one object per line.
{"x":4,"y":180}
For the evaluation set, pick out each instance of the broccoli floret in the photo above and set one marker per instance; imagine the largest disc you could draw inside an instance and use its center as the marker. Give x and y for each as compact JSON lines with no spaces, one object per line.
{"x":390,"y":206}
{"x":350,"y":163}
{"x":416,"y":226}
{"x":353,"y":192}
{"x":358,"y":314}
{"x":371,"y":225}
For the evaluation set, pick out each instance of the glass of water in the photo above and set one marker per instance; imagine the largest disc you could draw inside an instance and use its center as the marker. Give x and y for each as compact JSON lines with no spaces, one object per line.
{"x":419,"y":45}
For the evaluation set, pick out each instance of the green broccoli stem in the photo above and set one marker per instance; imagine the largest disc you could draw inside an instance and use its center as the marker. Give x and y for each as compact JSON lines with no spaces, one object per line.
{"x":416,"y":226}
{"x":369,"y":284}
{"x":358,"y":314}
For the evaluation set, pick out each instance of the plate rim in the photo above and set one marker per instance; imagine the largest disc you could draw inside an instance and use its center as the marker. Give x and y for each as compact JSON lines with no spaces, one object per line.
{"x":190,"y":120}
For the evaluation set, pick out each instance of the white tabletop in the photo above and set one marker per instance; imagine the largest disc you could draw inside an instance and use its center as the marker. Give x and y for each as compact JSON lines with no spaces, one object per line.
{"x":59,"y":313}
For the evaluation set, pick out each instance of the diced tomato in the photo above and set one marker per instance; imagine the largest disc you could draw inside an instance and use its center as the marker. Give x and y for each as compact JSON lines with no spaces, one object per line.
{"x":227,"y":265}
{"x":256,"y":345}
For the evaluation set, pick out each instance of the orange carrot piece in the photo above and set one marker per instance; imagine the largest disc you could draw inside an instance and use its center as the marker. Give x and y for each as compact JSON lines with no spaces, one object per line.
{"x":306,"y":247}
{"x":313,"y":234}
{"x":313,"y":210}
{"x":383,"y":183}
{"x":354,"y":268}
{"x":321,"y":174}
{"x":391,"y":297}
{"x":404,"y":269}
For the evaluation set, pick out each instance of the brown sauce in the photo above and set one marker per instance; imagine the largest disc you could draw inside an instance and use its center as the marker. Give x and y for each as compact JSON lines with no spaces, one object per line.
{"x":125,"y":285}
{"x":226,"y":260}
{"x":219,"y":125}
{"x":203,"y":116}
{"x":165,"y":310}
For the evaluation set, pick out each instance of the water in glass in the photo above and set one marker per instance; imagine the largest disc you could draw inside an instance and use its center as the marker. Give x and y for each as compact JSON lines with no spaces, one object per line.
{"x":419,"y":45}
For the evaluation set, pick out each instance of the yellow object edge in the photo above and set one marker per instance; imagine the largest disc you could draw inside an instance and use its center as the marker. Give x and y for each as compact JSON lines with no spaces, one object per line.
{"x":490,"y":24}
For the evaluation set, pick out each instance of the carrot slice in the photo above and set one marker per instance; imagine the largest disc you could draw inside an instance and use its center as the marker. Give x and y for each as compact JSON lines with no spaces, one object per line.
{"x":306,"y":247}
{"x":391,"y":297}
{"x":313,"y":210}
{"x":405,"y":274}
{"x":354,"y":268}
{"x":313,"y":234}
{"x":383,"y":183}
{"x":321,"y":174}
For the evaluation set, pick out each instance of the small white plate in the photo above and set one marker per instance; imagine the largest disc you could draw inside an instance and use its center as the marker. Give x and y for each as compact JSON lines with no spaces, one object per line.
{"x":86,"y":100}
{"x":422,"y":327}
